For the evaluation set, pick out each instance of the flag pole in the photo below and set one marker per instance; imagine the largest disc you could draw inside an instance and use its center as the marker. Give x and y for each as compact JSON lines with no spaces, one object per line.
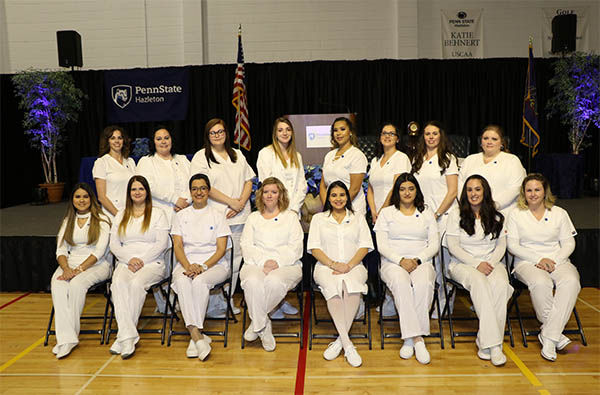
{"x":529,"y":129}
{"x":239,"y":138}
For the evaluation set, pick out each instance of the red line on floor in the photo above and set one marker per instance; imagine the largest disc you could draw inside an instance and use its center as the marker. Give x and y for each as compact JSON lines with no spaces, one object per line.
{"x":14,"y":300}
{"x":301,"y":370}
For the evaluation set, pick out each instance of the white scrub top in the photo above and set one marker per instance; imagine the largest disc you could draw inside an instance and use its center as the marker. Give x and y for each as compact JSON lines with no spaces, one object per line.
{"x":280,"y":239}
{"x":228,"y":177}
{"x":200,"y":229}
{"x":116,"y":176}
{"x":80,"y":251}
{"x":381,"y":177}
{"x":269,"y":165}
{"x":352,"y":161}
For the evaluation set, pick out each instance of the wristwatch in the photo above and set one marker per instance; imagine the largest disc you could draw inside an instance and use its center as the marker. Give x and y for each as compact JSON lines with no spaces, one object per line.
{"x":204,"y":266}
{"x":418,"y":261}
{"x":437,"y":215}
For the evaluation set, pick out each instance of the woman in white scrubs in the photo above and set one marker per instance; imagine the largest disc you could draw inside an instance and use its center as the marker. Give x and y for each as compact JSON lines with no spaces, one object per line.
{"x":407,"y":239}
{"x":477,"y":241}
{"x":139,"y":238}
{"x":542,"y":237}
{"x":81,"y":248}
{"x":339,"y":239}
{"x":272,"y":244}
{"x":113,"y":169}
{"x":345,"y":162}
{"x":502,"y":170}
{"x":231,"y":185}
{"x":200,"y":241}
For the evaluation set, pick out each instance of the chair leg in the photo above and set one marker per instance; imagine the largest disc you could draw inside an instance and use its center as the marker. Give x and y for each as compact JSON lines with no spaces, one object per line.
{"x":244,"y":312}
{"x":310,"y":318}
{"x":103,"y":332}
{"x":437,"y":303}
{"x":447,"y":311}
{"x":108,"y":331}
{"x":49,"y":327}
{"x":580,"y":327}
{"x":518,"y":311}
{"x":510,"y":331}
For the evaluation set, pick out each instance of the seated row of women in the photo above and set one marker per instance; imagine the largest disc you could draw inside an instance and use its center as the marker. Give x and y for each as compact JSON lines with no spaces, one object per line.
{"x":540,"y":236}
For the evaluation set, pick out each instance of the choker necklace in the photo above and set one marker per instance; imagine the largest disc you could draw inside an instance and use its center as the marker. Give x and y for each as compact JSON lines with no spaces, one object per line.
{"x":86,"y":215}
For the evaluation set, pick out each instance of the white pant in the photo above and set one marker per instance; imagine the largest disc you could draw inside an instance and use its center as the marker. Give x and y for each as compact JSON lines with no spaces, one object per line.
{"x":413,"y":293}
{"x":263,"y":292}
{"x":490,"y":295}
{"x":333,"y":284}
{"x":129,"y":294}
{"x":553,"y":311}
{"x":68,"y":298}
{"x":193,"y":293}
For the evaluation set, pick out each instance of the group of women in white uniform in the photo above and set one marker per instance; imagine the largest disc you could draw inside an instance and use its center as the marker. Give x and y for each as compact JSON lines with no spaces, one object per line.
{"x":412,"y":206}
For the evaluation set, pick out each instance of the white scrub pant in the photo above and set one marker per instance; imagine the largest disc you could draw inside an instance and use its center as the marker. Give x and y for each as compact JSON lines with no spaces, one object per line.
{"x":68,"y":298}
{"x":193,"y":293}
{"x":553,"y":311}
{"x":263,"y":292}
{"x":129,"y":294}
{"x":413,"y":293}
{"x":332,"y":284}
{"x":490,"y":295}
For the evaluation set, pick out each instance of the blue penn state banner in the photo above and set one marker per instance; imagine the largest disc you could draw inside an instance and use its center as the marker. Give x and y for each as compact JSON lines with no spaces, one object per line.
{"x":143,"y":95}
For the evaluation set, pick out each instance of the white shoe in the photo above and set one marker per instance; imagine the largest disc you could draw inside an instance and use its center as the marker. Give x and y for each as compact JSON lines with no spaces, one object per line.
{"x":352,"y":357}
{"x":407,"y":350}
{"x":55,"y":350}
{"x":548,"y":348}
{"x":115,"y":349}
{"x":389,"y":308}
{"x":482,"y":353}
{"x":361,"y":310}
{"x":288,"y":308}
{"x":267,"y":339}
{"x":206,"y":338}
{"x":192,"y":351}
{"x":563,"y":342}
{"x":203,"y":349}
{"x":497,"y":356}
{"x":65,"y":349}
{"x":333,"y":350}
{"x":277,"y":314}
{"x":421,"y":353}
{"x":127,"y":348}
{"x":250,"y":335}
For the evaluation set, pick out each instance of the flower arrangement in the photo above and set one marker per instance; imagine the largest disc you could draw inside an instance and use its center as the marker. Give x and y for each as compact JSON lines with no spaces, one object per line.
{"x":141,"y":147}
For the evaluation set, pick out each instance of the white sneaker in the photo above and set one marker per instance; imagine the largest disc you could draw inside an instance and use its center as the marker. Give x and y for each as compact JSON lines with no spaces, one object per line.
{"x":250,"y":335}
{"x":127,"y":348}
{"x":267,"y":339}
{"x":288,"y":308}
{"x":65,"y":349}
{"x":497,"y":356}
{"x":333,"y":350}
{"x":55,"y":349}
{"x":389,"y":308}
{"x":407,"y":350}
{"x":203,"y":349}
{"x":206,"y":338}
{"x":352,"y":357}
{"x":548,"y":348}
{"x":115,"y":349}
{"x":482,"y":353}
{"x":277,"y":314}
{"x":192,"y":351}
{"x":361,"y":310}
{"x":563,"y":342}
{"x":421,"y":353}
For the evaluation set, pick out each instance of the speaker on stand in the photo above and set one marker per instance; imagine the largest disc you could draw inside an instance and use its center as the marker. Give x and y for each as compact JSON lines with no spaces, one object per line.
{"x":69,"y":49}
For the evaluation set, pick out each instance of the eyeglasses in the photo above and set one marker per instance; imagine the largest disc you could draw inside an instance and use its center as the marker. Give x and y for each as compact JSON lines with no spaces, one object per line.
{"x":216,"y":133}
{"x":388,"y":134}
{"x":196,"y":189}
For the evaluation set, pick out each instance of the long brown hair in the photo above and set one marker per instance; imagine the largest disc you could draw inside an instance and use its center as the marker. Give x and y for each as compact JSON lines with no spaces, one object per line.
{"x":107,"y":134}
{"x":291,"y":149}
{"x":444,"y":150}
{"x":127,"y":214}
{"x":210,"y":157}
{"x":491,"y":218}
{"x":95,"y":218}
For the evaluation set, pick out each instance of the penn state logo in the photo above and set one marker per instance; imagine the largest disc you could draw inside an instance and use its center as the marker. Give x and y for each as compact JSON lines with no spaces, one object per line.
{"x":461,"y":15}
{"x":121,"y":95}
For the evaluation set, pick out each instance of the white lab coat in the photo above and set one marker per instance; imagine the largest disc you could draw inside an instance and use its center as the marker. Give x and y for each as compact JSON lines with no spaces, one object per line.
{"x":352,"y":161}
{"x":116,"y":176}
{"x":381,"y":177}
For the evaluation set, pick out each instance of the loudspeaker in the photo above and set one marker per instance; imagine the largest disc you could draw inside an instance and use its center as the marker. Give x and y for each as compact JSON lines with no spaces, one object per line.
{"x":69,"y":48}
{"x":564,"y":30}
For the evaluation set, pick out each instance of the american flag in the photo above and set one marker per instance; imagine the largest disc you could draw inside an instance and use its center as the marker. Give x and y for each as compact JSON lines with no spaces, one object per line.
{"x":241,"y":135}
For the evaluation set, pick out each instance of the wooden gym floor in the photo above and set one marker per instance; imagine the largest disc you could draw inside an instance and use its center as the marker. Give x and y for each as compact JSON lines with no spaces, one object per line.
{"x":29,"y":367}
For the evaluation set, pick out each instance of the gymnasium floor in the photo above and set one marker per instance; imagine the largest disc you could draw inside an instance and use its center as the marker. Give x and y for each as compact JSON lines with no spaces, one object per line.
{"x":28,"y":367}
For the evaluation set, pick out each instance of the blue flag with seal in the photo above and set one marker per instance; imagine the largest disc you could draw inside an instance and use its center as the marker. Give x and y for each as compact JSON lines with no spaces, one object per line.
{"x":144,"y":95}
{"x":530,"y":136}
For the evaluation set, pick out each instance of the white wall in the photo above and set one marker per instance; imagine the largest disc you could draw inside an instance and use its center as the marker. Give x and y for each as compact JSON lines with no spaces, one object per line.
{"x":150,"y":33}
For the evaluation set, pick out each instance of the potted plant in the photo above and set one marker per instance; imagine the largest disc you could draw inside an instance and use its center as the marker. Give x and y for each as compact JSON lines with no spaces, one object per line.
{"x":576,"y":96}
{"x":50,"y":100}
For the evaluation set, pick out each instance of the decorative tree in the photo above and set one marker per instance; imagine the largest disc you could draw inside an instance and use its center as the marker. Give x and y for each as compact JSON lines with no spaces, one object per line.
{"x":576,"y":86}
{"x":50,"y":100}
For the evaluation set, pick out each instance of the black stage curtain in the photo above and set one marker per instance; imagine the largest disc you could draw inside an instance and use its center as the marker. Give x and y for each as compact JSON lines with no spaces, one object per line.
{"x":464,"y":94}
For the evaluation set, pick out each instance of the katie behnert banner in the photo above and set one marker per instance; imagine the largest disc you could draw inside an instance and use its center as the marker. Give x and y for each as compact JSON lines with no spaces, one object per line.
{"x":142,"y":95}
{"x":462,"y":34}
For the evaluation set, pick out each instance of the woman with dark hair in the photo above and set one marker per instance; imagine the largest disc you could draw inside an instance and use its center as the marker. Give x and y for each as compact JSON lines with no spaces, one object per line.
{"x":502,"y":170}
{"x":339,"y":239}
{"x":477,"y":242}
{"x":272,"y":244}
{"x":200,"y":242}
{"x":542,"y":237}
{"x":112,"y":169}
{"x":345,"y":162}
{"x":81,"y":249}
{"x":407,"y":239}
{"x":138,"y":239}
{"x":167,"y":173}
{"x":231,"y":180}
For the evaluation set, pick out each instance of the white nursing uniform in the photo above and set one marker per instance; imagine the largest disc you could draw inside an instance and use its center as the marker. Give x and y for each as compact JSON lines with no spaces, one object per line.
{"x":489,"y":294}
{"x":381,"y":176}
{"x":199,"y":229}
{"x":269,"y":165}
{"x":68,"y":297}
{"x":279,"y":239}
{"x":339,"y":241}
{"x":352,"y":161}
{"x":128,"y":288}
{"x":408,"y":236}
{"x":116,"y":176}
{"x":551,"y":237}
{"x":504,"y":174}
{"x":168,"y":180}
